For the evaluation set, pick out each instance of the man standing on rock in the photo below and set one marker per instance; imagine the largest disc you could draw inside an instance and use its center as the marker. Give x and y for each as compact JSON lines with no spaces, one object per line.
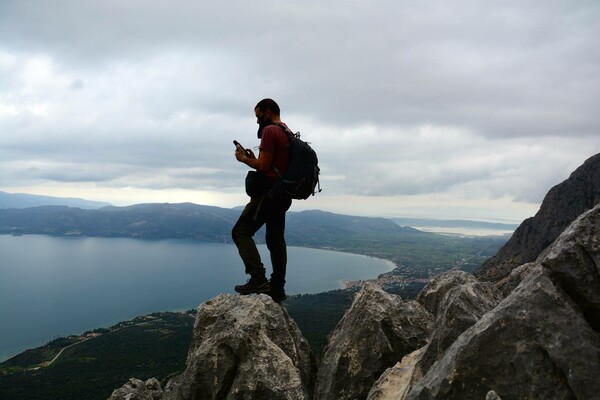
{"x":265,"y":208}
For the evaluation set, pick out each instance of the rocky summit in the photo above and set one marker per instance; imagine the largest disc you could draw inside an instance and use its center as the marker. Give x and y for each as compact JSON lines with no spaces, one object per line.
{"x":534,"y":333}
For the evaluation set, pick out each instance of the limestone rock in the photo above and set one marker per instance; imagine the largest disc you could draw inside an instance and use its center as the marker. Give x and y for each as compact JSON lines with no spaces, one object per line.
{"x":375,"y":333}
{"x":534,"y":344}
{"x":574,"y":264}
{"x":561,"y":206}
{"x":491,"y":395}
{"x":396,"y":381}
{"x":507,"y":284}
{"x":137,"y":389}
{"x":462,"y":306}
{"x":433,"y":293}
{"x":465,"y":300}
{"x":245,"y":347}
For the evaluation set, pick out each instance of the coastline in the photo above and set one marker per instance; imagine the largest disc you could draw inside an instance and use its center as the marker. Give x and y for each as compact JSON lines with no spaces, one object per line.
{"x":14,"y":351}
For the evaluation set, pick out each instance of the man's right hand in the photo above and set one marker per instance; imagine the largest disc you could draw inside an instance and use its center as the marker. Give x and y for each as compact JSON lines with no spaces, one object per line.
{"x":240,"y":154}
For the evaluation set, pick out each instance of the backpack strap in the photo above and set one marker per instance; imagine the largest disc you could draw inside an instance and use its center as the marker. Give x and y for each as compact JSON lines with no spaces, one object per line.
{"x":290,"y":135}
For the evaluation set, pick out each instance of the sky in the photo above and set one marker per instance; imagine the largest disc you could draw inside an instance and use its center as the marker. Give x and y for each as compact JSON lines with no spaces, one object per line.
{"x":462,"y":109}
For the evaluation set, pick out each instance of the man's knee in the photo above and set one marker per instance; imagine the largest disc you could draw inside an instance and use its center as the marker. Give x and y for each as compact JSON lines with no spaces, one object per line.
{"x":237,"y":233}
{"x":241,"y":231}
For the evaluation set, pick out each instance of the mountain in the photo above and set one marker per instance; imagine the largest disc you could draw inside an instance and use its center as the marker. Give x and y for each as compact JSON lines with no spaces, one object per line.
{"x":460,"y":340}
{"x":563,"y":203}
{"x":185,"y":220}
{"x":453,"y":223}
{"x":21,"y":200}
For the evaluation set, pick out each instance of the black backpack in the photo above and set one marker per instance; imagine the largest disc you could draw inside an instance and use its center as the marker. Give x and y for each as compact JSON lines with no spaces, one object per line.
{"x":301,"y":180}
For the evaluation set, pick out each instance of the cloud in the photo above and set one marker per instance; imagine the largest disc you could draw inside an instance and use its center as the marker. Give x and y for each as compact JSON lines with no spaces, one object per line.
{"x":465,"y":99}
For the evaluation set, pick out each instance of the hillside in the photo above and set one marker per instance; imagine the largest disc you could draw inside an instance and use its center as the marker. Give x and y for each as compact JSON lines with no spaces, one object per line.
{"x":22,"y":200}
{"x":423,"y":253}
{"x":560,"y":207}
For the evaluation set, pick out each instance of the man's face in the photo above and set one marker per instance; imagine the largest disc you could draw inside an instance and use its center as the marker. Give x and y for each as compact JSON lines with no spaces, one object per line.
{"x":262,"y":117}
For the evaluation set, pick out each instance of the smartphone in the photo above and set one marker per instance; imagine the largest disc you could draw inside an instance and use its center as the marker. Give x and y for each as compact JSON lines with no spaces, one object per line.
{"x":236,"y":143}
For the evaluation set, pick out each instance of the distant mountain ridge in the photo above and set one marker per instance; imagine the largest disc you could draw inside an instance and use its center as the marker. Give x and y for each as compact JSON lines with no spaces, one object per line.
{"x":183,"y":221}
{"x":453,"y":223}
{"x":22,"y":200}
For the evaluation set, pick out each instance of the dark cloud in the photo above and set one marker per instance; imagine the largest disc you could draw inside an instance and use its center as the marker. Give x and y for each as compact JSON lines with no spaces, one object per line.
{"x":496,"y":100}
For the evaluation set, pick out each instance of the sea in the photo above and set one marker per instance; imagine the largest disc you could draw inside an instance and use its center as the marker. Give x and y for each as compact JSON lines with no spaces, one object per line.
{"x":57,"y":286}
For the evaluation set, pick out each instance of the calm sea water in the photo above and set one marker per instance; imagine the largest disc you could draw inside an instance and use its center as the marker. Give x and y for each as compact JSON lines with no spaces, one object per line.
{"x":61,"y":286}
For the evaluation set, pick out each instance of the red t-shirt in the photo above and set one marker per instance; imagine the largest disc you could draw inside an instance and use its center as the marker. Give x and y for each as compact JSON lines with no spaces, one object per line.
{"x":275,"y":140}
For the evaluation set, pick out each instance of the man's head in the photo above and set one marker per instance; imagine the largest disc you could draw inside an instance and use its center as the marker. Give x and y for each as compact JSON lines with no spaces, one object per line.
{"x":266,"y":112}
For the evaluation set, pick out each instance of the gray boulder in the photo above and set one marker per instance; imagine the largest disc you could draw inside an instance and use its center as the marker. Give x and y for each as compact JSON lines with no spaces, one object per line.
{"x":541,"y":341}
{"x":462,"y":306}
{"x":433,"y":293}
{"x":507,"y":284}
{"x":395,"y":382}
{"x":464,"y":302}
{"x":534,"y":344}
{"x":137,"y":389}
{"x":245,"y":347}
{"x":573,"y":262}
{"x":375,"y":333}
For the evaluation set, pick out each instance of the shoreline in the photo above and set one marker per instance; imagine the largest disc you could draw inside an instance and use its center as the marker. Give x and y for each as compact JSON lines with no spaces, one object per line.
{"x":18,"y":350}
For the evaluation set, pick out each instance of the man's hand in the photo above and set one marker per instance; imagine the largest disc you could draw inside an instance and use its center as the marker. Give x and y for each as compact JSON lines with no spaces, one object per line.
{"x":240,"y":155}
{"x":262,"y":163}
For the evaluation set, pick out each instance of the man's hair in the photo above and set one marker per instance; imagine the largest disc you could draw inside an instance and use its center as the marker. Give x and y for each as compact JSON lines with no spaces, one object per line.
{"x":268,"y":104}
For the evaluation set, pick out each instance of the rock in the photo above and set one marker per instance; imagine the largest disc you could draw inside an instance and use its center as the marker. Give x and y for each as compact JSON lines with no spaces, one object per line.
{"x":396,"y":381}
{"x":491,"y":395}
{"x":507,"y":284}
{"x":561,"y":206}
{"x":465,"y":300}
{"x":573,"y":261}
{"x":137,"y":389}
{"x":375,"y":333}
{"x":461,"y":307}
{"x":433,"y":293}
{"x":534,"y":344}
{"x":245,"y":347}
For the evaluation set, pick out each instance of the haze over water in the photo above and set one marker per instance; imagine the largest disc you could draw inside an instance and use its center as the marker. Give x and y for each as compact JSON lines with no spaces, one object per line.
{"x":61,"y":286}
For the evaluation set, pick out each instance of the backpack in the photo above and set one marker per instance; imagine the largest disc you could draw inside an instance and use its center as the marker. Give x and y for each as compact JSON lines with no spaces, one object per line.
{"x":302,"y":176}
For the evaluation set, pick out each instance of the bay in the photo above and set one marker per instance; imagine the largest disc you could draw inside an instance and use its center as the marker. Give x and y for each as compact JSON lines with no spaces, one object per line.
{"x":51,"y":286}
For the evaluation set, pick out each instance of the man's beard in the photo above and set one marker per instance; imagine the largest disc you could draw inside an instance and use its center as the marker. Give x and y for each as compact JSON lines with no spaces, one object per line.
{"x":262,"y":123}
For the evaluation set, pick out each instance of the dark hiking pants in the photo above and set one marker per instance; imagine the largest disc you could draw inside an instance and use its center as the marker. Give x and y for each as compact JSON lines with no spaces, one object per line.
{"x":258,"y":212}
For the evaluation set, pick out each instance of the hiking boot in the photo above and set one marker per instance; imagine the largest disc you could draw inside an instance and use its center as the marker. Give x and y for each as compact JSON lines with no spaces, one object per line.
{"x":277,"y":292}
{"x":252,"y":287}
{"x":277,"y":296}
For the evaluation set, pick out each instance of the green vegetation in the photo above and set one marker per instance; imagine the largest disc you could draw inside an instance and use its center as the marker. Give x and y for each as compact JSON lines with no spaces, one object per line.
{"x":422,"y":255}
{"x":149,"y":346}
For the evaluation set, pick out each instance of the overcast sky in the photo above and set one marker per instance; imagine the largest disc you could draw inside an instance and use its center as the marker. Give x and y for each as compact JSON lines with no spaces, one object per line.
{"x":454,"y":109}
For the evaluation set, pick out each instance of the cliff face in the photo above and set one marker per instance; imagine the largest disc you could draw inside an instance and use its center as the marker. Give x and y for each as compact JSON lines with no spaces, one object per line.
{"x":533,"y":334}
{"x":541,"y":342}
{"x":561,"y":206}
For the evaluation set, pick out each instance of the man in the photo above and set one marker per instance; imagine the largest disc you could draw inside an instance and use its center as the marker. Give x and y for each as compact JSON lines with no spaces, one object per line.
{"x":266,"y":209}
